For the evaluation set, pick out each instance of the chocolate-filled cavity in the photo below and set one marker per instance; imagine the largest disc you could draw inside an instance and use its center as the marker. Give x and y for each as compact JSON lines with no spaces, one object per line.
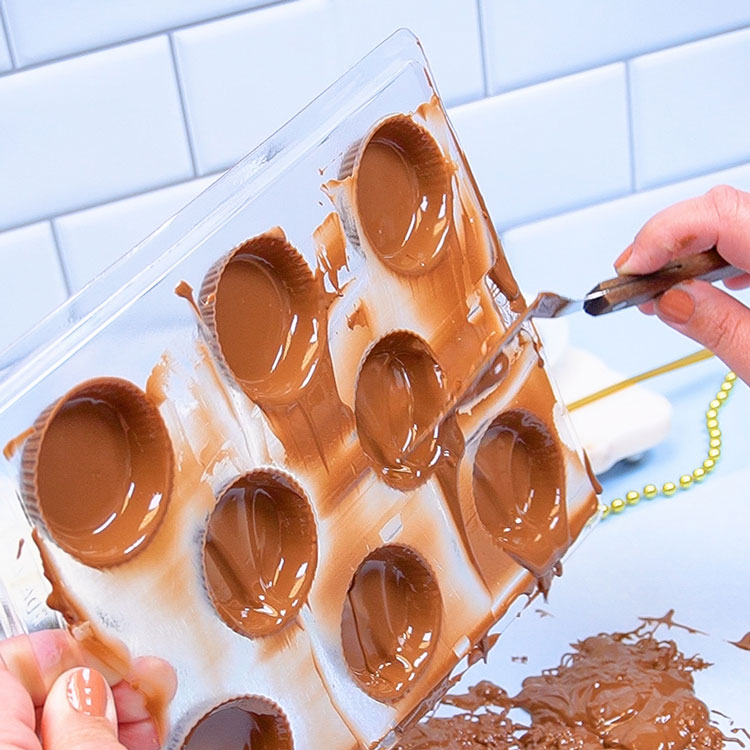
{"x":403,"y":195}
{"x":391,"y":622}
{"x":264,"y":307}
{"x":519,"y":487}
{"x":99,"y":470}
{"x":248,"y":723}
{"x":260,"y":553}
{"x":398,"y":403}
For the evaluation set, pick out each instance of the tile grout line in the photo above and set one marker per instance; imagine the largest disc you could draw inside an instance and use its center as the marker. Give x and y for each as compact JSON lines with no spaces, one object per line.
{"x":60,"y":258}
{"x":5,"y":26}
{"x":536,"y":219}
{"x":141,"y":37}
{"x":216,"y":175}
{"x":483,"y":49}
{"x":118,"y":199}
{"x":183,"y":105}
{"x":616,"y":60}
{"x":541,"y":217}
{"x":631,"y":125}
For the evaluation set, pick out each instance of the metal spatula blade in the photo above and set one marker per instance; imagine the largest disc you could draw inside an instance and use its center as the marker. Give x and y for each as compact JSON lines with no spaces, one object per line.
{"x":625,"y":291}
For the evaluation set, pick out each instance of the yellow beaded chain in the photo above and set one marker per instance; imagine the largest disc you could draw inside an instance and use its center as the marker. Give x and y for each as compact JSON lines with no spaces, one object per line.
{"x":686,"y":481}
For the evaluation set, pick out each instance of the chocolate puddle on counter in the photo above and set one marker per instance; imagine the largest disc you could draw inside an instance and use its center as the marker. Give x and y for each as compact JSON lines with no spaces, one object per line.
{"x":626,"y":690}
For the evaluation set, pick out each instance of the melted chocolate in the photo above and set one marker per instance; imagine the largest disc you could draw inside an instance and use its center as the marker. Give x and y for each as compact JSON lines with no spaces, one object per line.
{"x":100,"y":464}
{"x":12,"y":446}
{"x":403,"y":195}
{"x":625,"y":690}
{"x":260,"y":553}
{"x":241,"y":724}
{"x":390,"y":622}
{"x":330,"y":244}
{"x":399,"y":399}
{"x":519,"y":489}
{"x":268,"y":315}
{"x":743,"y":643}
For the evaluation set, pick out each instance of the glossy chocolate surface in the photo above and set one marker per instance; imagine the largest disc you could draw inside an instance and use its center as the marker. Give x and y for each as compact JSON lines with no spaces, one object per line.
{"x":519,"y":486}
{"x":260,"y":553}
{"x":399,"y":403}
{"x":100,"y":469}
{"x":391,"y":621}
{"x":242,"y":724}
{"x":623,"y":690}
{"x":403,"y":195}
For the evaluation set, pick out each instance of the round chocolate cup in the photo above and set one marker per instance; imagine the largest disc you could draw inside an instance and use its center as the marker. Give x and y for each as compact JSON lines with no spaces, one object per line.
{"x":390,"y":622}
{"x":402,"y":195}
{"x":260,"y":553}
{"x":265,"y":312}
{"x":399,"y":400}
{"x":519,"y":485}
{"x":98,"y":471}
{"x":245,"y":723}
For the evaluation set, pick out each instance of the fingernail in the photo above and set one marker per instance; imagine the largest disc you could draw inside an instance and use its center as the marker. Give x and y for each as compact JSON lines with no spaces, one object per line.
{"x":87,"y":692}
{"x":676,"y":305}
{"x":623,"y":259}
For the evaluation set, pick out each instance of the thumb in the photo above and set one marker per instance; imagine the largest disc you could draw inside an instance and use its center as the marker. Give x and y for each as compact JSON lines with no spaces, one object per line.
{"x":713,"y":318}
{"x":79,"y":713}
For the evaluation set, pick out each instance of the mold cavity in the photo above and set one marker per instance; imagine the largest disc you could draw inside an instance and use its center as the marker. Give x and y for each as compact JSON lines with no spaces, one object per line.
{"x":398,"y":404}
{"x":260,"y":553}
{"x":403,"y":195}
{"x":518,"y":484}
{"x":248,"y":723}
{"x":391,"y":622}
{"x":264,"y":308}
{"x":99,"y":471}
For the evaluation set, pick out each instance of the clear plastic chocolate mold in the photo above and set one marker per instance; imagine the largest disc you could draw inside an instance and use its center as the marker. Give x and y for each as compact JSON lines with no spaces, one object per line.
{"x":261,"y":402}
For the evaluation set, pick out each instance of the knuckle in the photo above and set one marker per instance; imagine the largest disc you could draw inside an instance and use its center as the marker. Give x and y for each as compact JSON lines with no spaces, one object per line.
{"x":721,"y":332}
{"x":726,"y":202}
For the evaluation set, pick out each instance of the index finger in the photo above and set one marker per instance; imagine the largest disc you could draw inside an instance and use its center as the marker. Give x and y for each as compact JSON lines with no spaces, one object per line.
{"x":720,"y":218}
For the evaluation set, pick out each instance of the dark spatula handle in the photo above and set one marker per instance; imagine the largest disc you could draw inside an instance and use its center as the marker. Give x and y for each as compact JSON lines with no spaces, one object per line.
{"x":626,"y":291}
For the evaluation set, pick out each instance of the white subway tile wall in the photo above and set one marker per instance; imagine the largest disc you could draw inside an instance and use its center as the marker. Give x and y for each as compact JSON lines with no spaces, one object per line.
{"x":93,"y":239}
{"x":245,"y":76}
{"x":113,"y":113}
{"x":540,"y":150}
{"x":90,"y":129}
{"x":32,"y":279}
{"x":5,"y":61}
{"x":533,"y":40}
{"x":449,"y":30}
{"x":46,"y":29}
{"x":691,"y":108}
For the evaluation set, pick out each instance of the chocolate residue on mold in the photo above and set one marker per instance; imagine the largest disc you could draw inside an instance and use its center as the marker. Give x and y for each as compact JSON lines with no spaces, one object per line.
{"x":330,"y":246}
{"x":519,"y":490}
{"x":399,"y":399}
{"x":391,"y":621}
{"x":260,"y":553}
{"x":12,"y":446}
{"x":267,"y":314}
{"x":625,"y":690}
{"x":246,"y":722}
{"x":592,"y":477}
{"x":358,"y":317}
{"x":403,"y":195}
{"x":109,"y":655}
{"x":21,"y":543}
